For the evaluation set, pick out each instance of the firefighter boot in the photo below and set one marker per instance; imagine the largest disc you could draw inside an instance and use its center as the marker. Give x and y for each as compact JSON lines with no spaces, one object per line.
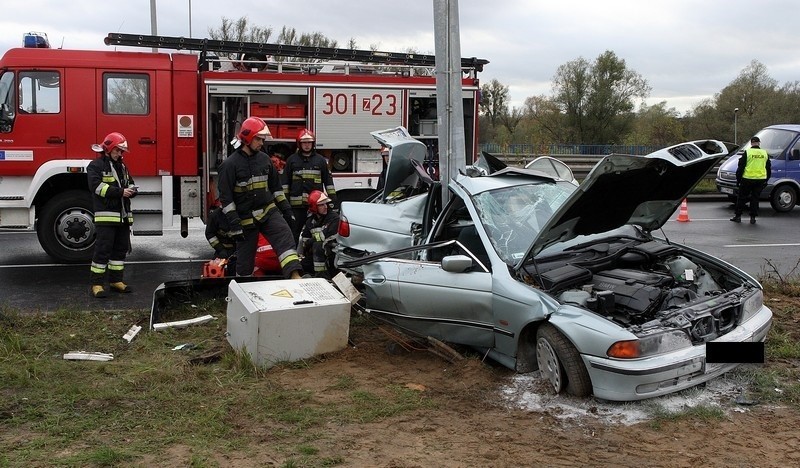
{"x":98,"y":291}
{"x":120,"y":287}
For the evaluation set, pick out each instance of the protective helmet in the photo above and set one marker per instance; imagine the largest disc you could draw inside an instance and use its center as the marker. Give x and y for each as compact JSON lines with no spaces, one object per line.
{"x":305,"y":135}
{"x":253,"y":127}
{"x":114,"y":140}
{"x":316,"y":198}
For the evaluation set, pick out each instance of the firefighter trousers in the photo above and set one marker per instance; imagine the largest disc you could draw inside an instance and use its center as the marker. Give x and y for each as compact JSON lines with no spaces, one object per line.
{"x":300,"y":215}
{"x":278,"y":233}
{"x":110,"y":249}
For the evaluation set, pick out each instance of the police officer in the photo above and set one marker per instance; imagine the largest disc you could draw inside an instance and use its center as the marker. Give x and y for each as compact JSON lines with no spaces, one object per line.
{"x":752,"y":174}
{"x":252,"y":199}
{"x":305,"y":171}
{"x":319,"y":236}
{"x":112,"y":189}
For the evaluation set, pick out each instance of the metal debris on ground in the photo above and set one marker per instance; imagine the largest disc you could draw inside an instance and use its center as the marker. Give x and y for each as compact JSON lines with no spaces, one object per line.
{"x":432,"y":345}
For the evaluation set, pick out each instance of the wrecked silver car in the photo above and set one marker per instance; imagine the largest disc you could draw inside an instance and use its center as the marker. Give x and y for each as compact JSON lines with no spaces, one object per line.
{"x":537,"y":273}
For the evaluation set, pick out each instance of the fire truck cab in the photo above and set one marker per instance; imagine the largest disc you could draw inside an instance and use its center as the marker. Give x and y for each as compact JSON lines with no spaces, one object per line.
{"x":180,"y":112}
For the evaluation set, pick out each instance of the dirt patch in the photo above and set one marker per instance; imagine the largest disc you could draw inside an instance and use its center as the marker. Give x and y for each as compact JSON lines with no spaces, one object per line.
{"x":485,"y":415}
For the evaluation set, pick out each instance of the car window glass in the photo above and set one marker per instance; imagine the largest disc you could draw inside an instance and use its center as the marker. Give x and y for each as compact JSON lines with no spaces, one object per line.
{"x":514,"y":216}
{"x":543,"y":165}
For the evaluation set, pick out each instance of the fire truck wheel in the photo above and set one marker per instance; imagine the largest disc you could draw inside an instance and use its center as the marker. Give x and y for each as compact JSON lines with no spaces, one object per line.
{"x":66,"y":227}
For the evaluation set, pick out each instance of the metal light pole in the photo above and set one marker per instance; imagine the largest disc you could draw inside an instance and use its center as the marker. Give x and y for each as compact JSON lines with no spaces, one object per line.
{"x":190,"y":18}
{"x":735,"y":132}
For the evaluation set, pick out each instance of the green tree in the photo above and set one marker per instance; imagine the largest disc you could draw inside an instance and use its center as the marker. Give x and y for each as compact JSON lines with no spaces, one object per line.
{"x":494,"y":101}
{"x":656,"y":125}
{"x":598,"y":99}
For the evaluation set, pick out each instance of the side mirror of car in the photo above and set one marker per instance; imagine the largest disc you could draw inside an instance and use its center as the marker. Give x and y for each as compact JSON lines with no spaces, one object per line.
{"x":456,"y":263}
{"x":795,"y":154}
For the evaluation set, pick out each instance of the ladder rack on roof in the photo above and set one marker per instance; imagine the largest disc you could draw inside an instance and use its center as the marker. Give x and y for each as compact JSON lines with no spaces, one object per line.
{"x":284,"y":50}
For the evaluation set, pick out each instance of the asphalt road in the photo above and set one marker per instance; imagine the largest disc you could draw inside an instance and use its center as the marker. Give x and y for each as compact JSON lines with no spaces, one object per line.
{"x":30,"y":281}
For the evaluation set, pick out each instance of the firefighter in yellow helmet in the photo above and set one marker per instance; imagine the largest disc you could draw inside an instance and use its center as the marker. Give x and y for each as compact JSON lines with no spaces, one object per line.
{"x":112,"y":189}
{"x":305,"y":171}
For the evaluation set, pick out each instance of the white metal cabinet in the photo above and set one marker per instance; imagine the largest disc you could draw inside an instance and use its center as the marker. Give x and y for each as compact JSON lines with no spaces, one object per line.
{"x":286,"y":320}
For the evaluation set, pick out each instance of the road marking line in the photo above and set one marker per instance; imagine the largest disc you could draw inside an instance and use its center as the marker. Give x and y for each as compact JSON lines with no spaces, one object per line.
{"x":140,"y":262}
{"x":761,"y":245}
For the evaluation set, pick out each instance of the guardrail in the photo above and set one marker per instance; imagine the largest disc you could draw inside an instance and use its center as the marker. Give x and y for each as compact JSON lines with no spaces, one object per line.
{"x":580,"y":164}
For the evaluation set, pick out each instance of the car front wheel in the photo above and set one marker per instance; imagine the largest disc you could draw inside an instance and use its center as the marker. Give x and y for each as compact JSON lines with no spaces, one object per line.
{"x":783,"y":198}
{"x":560,"y":363}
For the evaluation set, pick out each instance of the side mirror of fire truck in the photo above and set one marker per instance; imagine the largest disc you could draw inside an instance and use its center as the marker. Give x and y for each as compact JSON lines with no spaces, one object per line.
{"x":6,"y":113}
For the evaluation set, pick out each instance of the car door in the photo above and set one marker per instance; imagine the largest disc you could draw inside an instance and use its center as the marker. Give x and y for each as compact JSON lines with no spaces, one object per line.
{"x":421,"y":296}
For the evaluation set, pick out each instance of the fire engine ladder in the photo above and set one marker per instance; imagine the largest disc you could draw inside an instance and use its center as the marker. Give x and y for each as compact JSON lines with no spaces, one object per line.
{"x":254,"y":49}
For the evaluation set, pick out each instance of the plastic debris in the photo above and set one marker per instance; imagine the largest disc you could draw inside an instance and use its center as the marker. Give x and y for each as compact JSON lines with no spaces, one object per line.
{"x":184,"y":346}
{"x":183,"y":323}
{"x":88,"y":356}
{"x":131,"y":333}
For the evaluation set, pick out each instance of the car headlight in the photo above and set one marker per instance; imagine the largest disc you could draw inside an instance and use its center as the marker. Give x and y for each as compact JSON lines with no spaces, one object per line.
{"x":752,"y":305}
{"x":651,"y":345}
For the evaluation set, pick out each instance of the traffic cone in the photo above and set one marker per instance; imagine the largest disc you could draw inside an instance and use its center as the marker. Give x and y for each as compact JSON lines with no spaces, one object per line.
{"x":683,"y":213}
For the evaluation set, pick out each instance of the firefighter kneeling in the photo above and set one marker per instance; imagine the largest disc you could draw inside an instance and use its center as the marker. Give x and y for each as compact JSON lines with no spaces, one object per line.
{"x":319,"y":236}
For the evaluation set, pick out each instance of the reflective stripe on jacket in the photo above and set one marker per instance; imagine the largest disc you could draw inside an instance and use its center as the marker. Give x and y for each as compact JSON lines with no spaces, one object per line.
{"x":249,"y":188}
{"x":107,"y":181}
{"x":756,"y":166}
{"x":304,"y":174}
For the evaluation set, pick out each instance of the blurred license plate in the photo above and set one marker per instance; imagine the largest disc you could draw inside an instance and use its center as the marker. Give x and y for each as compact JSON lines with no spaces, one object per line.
{"x":726,"y":190}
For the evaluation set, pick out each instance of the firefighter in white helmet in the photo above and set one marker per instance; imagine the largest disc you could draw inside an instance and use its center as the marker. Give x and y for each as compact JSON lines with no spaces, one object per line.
{"x":305,"y":171}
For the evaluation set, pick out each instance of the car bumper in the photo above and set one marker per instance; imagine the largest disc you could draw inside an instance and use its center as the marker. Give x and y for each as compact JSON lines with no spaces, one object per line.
{"x":730,"y":188}
{"x":617,"y":380}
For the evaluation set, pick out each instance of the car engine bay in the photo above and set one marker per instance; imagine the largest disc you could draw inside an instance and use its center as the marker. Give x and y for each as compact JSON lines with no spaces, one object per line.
{"x":649,"y":287}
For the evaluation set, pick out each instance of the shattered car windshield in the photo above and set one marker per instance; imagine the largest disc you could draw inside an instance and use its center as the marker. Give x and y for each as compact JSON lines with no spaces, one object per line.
{"x":514,"y":216}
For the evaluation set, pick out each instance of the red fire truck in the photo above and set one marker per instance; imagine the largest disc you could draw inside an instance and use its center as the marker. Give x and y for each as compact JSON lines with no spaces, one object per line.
{"x":180,"y":112}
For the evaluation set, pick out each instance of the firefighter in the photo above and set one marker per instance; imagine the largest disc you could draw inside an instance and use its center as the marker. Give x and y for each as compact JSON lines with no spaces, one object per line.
{"x":112,"y":189}
{"x":252,"y":199}
{"x":319,"y":236}
{"x":305,"y":171}
{"x":218,"y":234}
{"x":385,"y":161}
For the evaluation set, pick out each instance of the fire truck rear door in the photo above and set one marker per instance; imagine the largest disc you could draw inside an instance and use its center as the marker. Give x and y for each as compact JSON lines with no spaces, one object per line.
{"x":128,"y":106}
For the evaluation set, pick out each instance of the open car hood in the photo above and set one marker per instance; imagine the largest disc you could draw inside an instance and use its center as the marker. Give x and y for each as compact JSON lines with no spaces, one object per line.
{"x":626,"y":189}
{"x":403,"y":151}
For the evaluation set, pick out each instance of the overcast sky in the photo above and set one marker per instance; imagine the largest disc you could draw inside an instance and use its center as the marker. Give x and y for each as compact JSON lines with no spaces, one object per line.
{"x":686,"y":50}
